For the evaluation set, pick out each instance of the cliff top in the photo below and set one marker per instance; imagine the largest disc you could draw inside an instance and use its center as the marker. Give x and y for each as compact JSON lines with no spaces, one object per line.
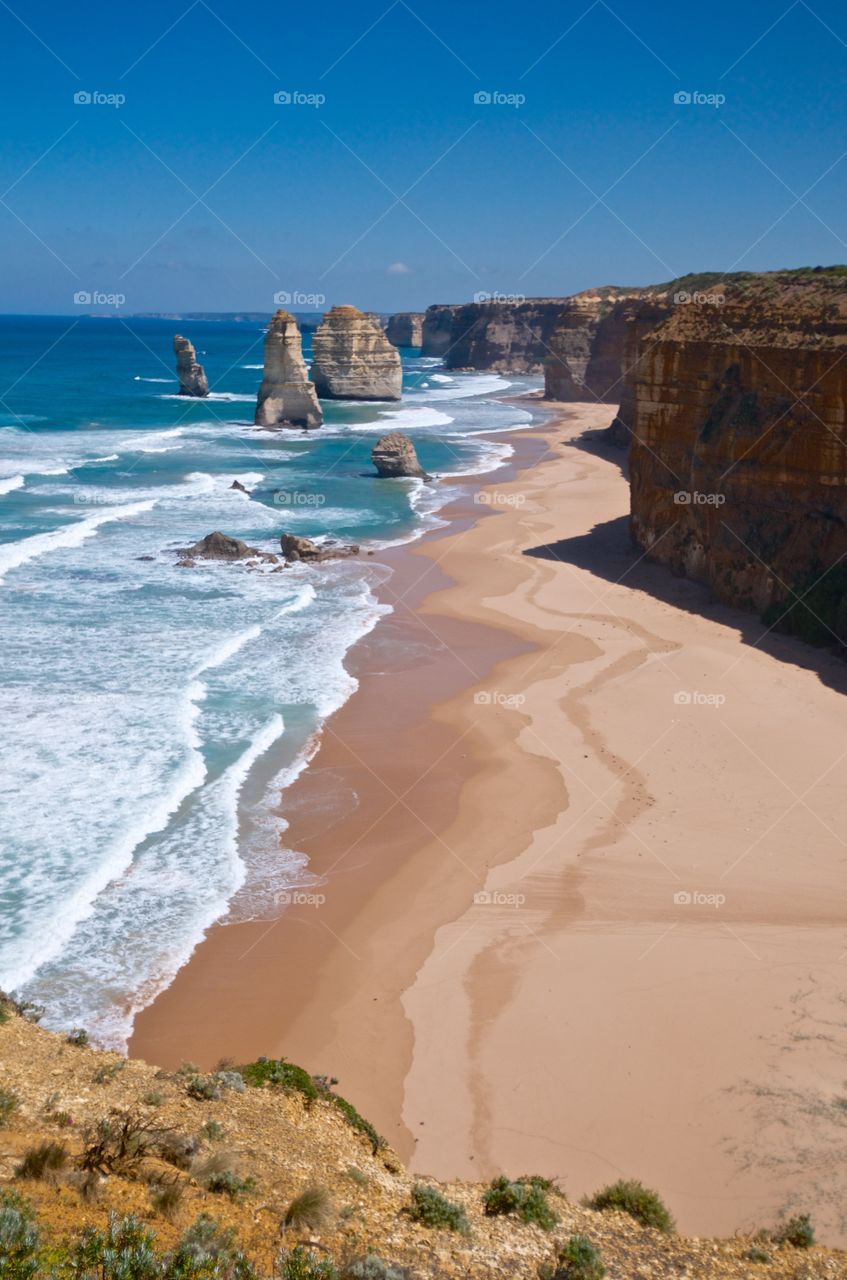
{"x":241,"y":1145}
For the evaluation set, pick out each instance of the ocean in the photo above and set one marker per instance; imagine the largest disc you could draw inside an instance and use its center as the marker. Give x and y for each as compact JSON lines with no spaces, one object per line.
{"x":153,"y":715}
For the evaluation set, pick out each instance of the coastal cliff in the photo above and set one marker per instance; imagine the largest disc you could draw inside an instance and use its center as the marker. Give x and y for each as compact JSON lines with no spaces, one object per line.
{"x":286,"y":397}
{"x":737,"y":402}
{"x":405,"y":329}
{"x":113,"y":1168}
{"x":507,"y":337}
{"x":353,"y":359}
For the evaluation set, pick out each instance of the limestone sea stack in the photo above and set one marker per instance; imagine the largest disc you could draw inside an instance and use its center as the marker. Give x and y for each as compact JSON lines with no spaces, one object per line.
{"x":286,"y":397}
{"x":394,"y":455}
{"x":192,"y":376}
{"x":353,"y":359}
{"x":405,"y":329}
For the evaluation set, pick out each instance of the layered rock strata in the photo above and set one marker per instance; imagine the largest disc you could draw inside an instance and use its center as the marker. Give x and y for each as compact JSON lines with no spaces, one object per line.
{"x":737,"y":408}
{"x":286,"y":397}
{"x":353,"y":359}
{"x":394,"y":456}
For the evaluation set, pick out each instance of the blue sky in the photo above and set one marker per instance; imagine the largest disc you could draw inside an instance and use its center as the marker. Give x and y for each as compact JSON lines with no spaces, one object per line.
{"x":399,"y":189}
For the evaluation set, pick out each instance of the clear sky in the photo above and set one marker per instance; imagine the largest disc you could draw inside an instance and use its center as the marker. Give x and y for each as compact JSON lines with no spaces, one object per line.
{"x":400,"y":189}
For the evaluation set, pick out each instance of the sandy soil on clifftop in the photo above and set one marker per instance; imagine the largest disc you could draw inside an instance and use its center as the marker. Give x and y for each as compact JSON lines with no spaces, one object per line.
{"x":647,"y":796}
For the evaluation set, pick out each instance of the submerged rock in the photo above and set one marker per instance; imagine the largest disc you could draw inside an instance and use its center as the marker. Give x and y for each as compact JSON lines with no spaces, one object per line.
{"x":394,"y":455}
{"x":297,"y":548}
{"x":286,"y":397}
{"x":192,"y":376}
{"x":236,"y":484}
{"x":353,"y":359}
{"x":219,"y":546}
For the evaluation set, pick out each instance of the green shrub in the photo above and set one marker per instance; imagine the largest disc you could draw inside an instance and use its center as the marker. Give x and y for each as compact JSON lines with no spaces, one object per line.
{"x":278,"y":1072}
{"x":46,"y":1158}
{"x":757,"y":1254}
{"x":432,"y":1209}
{"x":357,"y":1176}
{"x":229,"y":1183}
{"x":798,"y":1232}
{"x":124,"y":1251}
{"x":303,"y":1264}
{"x":203,"y":1088}
{"x":108,"y":1072}
{"x":8,"y":1105}
{"x":118,"y":1143}
{"x":358,"y":1122}
{"x":178,"y":1149}
{"x":371,"y":1267}
{"x":310,"y":1209}
{"x":630,"y":1196}
{"x":78,"y":1037}
{"x":579,"y":1259}
{"x":527,"y":1198}
{"x":208,"y":1251}
{"x":19,"y":1238}
{"x":153,"y":1098}
{"x":211,"y":1131}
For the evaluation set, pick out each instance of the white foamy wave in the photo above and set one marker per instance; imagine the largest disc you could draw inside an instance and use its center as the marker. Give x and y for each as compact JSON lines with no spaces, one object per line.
{"x":253,"y":366}
{"x":13,"y":555}
{"x":441,"y":377}
{"x":418,"y":417}
{"x":229,"y":396}
{"x":8,"y":483}
{"x":138,"y":378}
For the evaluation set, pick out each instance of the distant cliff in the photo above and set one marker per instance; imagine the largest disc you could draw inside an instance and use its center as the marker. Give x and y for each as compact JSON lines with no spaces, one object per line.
{"x":405,"y":329}
{"x":509,"y":337}
{"x":737,"y":402}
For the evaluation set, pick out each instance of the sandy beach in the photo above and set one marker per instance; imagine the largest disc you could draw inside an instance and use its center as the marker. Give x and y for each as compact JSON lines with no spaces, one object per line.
{"x":581,"y":838}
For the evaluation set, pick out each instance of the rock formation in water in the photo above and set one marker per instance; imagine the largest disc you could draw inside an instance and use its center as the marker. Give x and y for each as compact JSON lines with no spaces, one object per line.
{"x":737,"y":410}
{"x":220,"y":546}
{"x":192,"y":376}
{"x":295,"y":548}
{"x":394,"y":455}
{"x":353,"y":359}
{"x":405,"y":329}
{"x":286,"y":397}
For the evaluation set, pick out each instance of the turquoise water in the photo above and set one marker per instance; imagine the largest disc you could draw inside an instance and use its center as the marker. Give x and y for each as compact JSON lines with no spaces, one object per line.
{"x":152,"y":715}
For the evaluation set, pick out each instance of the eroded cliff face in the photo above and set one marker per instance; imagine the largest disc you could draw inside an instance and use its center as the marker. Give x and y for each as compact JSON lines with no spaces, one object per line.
{"x":286,"y":397}
{"x":405,"y":329}
{"x":738,"y":457}
{"x":437,"y":329}
{"x":508,"y":337}
{"x":353,"y":359}
{"x":192,"y":376}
